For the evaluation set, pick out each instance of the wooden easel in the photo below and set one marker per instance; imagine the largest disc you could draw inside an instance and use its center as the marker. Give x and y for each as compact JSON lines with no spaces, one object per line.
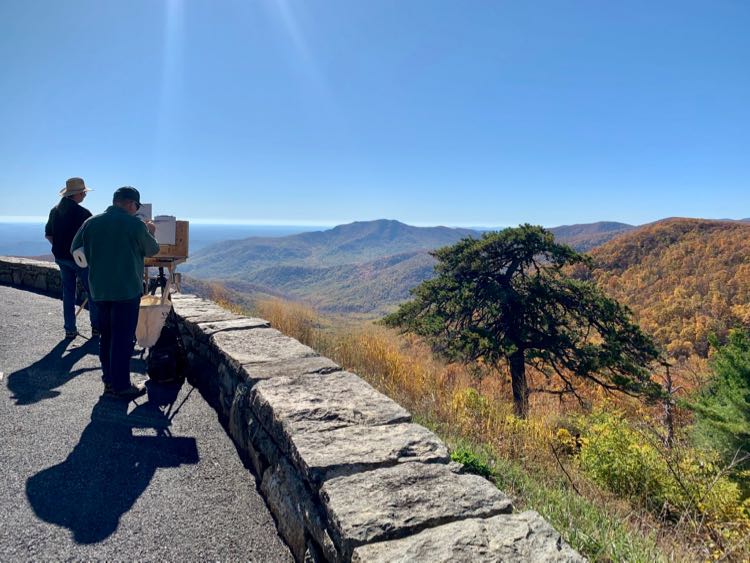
{"x":170,"y":256}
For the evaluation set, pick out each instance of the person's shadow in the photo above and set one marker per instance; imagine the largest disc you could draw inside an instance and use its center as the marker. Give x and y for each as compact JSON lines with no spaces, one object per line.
{"x":39,"y":380}
{"x":110,"y":467}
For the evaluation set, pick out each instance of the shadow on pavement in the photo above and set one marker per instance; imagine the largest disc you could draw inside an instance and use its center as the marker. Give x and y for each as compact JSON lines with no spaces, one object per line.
{"x":110,"y":467}
{"x":39,"y":380}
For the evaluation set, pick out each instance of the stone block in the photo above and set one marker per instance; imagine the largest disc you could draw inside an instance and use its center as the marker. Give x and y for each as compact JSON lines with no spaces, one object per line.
{"x":39,"y":281}
{"x":228,"y":380}
{"x":211,"y":327}
{"x":248,"y":434}
{"x":196,"y":310}
{"x":54,"y":283}
{"x":237,"y":424}
{"x":257,"y":346}
{"x":292,"y":367}
{"x":286,"y":406}
{"x":407,"y":498}
{"x":184,"y":296}
{"x":524,"y":537}
{"x":263,"y":451}
{"x":322,"y":455}
{"x":297,"y":512}
{"x":29,"y":278}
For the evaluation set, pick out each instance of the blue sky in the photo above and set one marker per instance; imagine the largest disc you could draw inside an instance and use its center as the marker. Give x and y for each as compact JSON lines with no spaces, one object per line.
{"x":430,"y":112}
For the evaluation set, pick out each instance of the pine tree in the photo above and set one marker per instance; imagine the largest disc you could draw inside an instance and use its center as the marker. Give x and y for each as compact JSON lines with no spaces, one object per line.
{"x":506,"y":298}
{"x":723,"y":406}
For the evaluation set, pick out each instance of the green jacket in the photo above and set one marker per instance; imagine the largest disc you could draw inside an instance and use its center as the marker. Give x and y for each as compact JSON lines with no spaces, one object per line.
{"x":115,"y":244}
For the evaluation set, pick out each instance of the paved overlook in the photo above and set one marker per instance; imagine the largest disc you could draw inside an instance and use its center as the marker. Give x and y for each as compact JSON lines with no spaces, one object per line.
{"x":91,"y":478}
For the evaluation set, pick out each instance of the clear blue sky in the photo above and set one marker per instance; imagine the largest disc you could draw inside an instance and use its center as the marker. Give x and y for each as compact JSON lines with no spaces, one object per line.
{"x":430,"y":112}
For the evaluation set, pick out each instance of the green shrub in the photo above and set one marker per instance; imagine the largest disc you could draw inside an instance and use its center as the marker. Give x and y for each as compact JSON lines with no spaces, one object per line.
{"x":472,"y":462}
{"x":672,"y":483}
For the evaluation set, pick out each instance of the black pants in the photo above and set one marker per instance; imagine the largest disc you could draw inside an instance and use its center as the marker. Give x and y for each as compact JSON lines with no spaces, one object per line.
{"x":117,"y":321}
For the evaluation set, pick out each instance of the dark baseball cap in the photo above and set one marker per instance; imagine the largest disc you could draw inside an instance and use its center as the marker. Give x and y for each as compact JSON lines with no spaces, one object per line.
{"x":127,"y":192}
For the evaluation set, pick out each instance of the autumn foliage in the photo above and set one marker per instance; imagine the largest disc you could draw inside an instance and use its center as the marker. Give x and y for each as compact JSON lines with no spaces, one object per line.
{"x":683,"y":278}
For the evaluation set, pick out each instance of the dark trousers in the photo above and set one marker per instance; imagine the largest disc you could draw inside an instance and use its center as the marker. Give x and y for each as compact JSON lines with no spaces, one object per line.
{"x":117,"y":321}
{"x":69,"y":271}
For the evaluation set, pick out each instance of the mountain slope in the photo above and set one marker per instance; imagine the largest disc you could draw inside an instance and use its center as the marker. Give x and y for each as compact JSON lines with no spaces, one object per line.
{"x":683,"y":278}
{"x":586,"y":236}
{"x":354,"y":243}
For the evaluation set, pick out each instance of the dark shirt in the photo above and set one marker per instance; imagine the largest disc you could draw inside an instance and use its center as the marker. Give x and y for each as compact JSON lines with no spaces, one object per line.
{"x":64,"y":221}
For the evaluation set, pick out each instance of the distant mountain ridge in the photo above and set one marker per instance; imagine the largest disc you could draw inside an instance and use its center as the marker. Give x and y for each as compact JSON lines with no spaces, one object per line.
{"x":345,"y":244}
{"x":358,"y":267}
{"x":586,"y":236}
{"x":366,"y":266}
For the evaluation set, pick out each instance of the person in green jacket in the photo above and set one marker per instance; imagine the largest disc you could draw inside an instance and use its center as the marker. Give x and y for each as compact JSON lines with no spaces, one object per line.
{"x":115,"y":244}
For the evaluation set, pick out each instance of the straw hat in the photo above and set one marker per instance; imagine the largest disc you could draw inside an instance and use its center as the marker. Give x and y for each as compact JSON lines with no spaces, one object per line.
{"x":73,"y":186}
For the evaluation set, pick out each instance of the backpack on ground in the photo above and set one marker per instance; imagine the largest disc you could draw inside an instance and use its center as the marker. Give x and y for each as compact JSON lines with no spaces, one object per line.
{"x":167,"y":359}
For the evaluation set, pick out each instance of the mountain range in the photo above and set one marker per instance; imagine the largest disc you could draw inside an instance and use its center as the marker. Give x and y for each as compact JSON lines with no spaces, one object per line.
{"x":684,"y":279}
{"x":362,"y":267}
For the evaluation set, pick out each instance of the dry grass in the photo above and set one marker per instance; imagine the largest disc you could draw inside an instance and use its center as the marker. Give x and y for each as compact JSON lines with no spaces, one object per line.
{"x":292,"y":319}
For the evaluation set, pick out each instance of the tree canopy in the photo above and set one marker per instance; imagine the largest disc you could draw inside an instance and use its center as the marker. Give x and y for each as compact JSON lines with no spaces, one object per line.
{"x":505,"y":297}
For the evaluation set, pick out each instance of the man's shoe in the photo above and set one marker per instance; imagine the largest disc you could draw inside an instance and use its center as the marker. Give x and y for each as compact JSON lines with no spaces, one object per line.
{"x":132,"y":392}
{"x":70,"y":334}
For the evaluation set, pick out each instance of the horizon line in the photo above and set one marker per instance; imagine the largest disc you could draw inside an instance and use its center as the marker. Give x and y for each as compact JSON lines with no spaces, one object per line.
{"x":280,"y":223}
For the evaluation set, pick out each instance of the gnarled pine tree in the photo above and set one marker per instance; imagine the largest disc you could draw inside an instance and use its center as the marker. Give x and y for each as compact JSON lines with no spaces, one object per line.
{"x":506,"y":298}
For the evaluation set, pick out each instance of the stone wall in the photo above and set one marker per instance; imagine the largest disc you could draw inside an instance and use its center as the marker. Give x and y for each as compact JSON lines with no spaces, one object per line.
{"x":345,"y":471}
{"x":35,"y":275}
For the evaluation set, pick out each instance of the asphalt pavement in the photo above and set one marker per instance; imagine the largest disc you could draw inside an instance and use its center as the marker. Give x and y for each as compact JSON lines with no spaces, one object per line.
{"x":86,"y":477}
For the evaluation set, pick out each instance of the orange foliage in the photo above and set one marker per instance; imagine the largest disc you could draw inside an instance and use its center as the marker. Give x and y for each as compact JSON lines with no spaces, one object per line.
{"x":683,"y":278}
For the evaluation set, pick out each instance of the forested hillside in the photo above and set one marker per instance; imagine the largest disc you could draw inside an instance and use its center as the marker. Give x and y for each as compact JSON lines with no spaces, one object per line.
{"x":683,"y":278}
{"x":369,"y":287}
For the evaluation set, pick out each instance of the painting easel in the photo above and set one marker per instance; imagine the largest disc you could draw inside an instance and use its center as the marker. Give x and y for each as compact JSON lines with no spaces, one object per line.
{"x":169,"y":257}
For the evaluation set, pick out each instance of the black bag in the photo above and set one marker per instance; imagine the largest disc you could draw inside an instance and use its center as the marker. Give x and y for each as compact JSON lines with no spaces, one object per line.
{"x":167,"y":359}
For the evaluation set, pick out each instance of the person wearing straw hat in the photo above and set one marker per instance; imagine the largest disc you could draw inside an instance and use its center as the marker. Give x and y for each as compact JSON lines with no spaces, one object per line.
{"x":65,"y":219}
{"x":115,"y":244}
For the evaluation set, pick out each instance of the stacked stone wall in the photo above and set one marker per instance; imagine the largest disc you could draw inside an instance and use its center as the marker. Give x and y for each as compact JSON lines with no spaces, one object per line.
{"x":34,"y":275}
{"x":345,"y":471}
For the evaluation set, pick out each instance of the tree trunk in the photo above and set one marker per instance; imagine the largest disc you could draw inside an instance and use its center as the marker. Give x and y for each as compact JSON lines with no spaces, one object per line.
{"x":518,"y":382}
{"x":669,"y":405}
